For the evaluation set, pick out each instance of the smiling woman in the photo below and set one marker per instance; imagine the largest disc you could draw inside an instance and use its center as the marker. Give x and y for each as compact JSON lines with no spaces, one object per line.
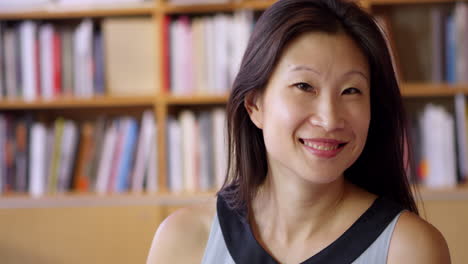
{"x":316,"y":137}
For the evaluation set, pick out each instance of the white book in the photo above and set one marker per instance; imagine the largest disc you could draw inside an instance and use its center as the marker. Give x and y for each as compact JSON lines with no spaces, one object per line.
{"x":175,"y":162}
{"x":221,"y":54}
{"x":28,"y":32}
{"x":219,"y":145}
{"x":46,"y":36}
{"x":210,"y":42}
{"x":83,"y":59}
{"x":8,"y":6}
{"x":450,"y":179}
{"x":205,"y":149}
{"x":146,"y":140}
{"x":242,"y":27}
{"x":38,"y":160}
{"x":188,"y":77}
{"x":105,"y":163}
{"x":174,"y":67}
{"x":187,"y":121}
{"x":152,"y":173}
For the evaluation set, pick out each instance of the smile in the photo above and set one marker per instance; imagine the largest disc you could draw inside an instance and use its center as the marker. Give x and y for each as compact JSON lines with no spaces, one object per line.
{"x":323,"y":148}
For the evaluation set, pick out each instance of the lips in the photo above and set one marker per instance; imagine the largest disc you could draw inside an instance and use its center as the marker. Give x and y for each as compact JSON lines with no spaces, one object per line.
{"x":323,"y":147}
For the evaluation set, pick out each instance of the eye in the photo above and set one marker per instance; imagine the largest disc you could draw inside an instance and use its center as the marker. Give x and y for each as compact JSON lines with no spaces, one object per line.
{"x":352,"y":90}
{"x":304,"y":87}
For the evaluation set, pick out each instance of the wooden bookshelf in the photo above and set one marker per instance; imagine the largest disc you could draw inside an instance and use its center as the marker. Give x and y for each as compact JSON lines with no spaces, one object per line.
{"x":169,"y":199}
{"x":62,"y":13}
{"x":196,"y":100}
{"x":16,"y":201}
{"x":202,"y":8}
{"x":406,"y":2}
{"x":432,"y":89}
{"x":95,"y":102}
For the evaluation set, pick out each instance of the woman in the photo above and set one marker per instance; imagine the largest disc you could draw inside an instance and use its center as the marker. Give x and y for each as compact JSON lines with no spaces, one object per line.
{"x":316,"y":137}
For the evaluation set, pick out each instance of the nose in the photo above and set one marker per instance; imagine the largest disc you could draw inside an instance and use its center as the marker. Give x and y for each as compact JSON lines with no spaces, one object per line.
{"x":327,"y":115}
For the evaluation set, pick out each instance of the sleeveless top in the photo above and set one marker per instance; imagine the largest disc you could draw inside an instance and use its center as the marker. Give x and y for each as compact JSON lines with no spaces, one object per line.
{"x":366,"y":241}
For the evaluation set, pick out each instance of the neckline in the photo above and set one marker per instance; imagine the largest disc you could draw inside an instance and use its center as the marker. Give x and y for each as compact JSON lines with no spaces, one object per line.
{"x":244,"y":247}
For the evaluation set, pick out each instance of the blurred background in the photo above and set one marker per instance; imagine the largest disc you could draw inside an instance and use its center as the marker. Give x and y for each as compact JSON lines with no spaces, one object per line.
{"x":112,"y":117}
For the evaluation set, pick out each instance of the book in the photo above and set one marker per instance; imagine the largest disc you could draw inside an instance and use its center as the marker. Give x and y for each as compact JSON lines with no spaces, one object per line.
{"x":83,"y":59}
{"x":130,"y":56}
{"x":130,"y":126}
{"x":37,"y":160}
{"x":174,"y":149}
{"x":412,"y":33}
{"x":11,"y":68}
{"x":105,"y":163}
{"x":143,"y":159}
{"x":81,"y":178}
{"x":28,"y":32}
{"x":188,"y":126}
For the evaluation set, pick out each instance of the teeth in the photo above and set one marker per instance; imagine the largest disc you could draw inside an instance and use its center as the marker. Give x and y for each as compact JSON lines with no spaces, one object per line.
{"x":320,"y":147}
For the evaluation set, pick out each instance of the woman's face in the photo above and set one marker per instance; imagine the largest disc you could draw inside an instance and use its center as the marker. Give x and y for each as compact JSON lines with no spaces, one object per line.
{"x":315,"y":110}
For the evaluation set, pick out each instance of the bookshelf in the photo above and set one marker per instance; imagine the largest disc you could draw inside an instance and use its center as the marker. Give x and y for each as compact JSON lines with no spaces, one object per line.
{"x":163,"y":104}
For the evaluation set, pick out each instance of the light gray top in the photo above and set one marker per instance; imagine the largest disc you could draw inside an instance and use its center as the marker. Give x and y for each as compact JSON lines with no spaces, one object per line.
{"x":216,"y":251}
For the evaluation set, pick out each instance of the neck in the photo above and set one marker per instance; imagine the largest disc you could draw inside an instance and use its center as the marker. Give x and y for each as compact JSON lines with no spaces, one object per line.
{"x":293,"y":211}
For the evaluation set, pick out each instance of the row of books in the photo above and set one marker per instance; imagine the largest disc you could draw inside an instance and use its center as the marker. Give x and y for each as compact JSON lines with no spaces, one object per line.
{"x":197,"y":154}
{"x":105,"y":155}
{"x":203,"y":54}
{"x":439,"y":135}
{"x":44,"y":60}
{"x":432,"y":42}
{"x":33,"y":5}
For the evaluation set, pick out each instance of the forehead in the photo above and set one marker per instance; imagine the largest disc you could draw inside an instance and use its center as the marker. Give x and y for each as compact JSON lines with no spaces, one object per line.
{"x":324,"y":52}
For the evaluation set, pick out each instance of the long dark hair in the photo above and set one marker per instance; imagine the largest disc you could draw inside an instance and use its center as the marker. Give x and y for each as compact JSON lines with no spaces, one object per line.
{"x":380,"y":169}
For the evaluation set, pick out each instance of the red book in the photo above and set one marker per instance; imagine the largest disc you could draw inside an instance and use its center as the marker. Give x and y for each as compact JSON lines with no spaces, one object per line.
{"x":57,"y":64}
{"x":165,"y":54}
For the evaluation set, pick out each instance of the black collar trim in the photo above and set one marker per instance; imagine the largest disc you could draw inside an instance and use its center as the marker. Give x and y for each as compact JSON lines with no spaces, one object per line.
{"x":244,"y":248}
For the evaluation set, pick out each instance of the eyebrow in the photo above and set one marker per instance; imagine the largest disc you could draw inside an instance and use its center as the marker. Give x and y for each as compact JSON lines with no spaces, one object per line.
{"x":306,"y":68}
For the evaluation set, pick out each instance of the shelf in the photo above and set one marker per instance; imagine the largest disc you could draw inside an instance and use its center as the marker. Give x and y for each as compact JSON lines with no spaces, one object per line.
{"x":432,"y":90}
{"x":196,"y":100}
{"x":399,"y":2}
{"x":95,"y":200}
{"x":209,"y":8}
{"x":66,"y":13}
{"x":202,"y":8}
{"x":444,"y":194}
{"x":76,"y":103}
{"x":167,"y":199}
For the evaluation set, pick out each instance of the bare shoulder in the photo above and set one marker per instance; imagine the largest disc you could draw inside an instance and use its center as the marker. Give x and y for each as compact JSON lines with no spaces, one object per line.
{"x":182,"y":236}
{"x":416,"y":241}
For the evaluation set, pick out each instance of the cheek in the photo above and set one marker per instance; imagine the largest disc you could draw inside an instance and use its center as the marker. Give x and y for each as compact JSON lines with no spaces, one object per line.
{"x":282,"y":114}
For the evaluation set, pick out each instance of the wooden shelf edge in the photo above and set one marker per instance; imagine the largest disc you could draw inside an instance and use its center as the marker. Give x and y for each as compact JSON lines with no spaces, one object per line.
{"x":17,"y":201}
{"x":432,"y":89}
{"x":96,"y":200}
{"x":77,"y":103}
{"x":399,"y":2}
{"x":459,"y":193}
{"x":196,"y":99}
{"x":69,"y":12}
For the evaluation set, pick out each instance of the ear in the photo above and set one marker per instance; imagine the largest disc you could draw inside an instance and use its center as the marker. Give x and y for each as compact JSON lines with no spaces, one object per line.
{"x":253,"y":105}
